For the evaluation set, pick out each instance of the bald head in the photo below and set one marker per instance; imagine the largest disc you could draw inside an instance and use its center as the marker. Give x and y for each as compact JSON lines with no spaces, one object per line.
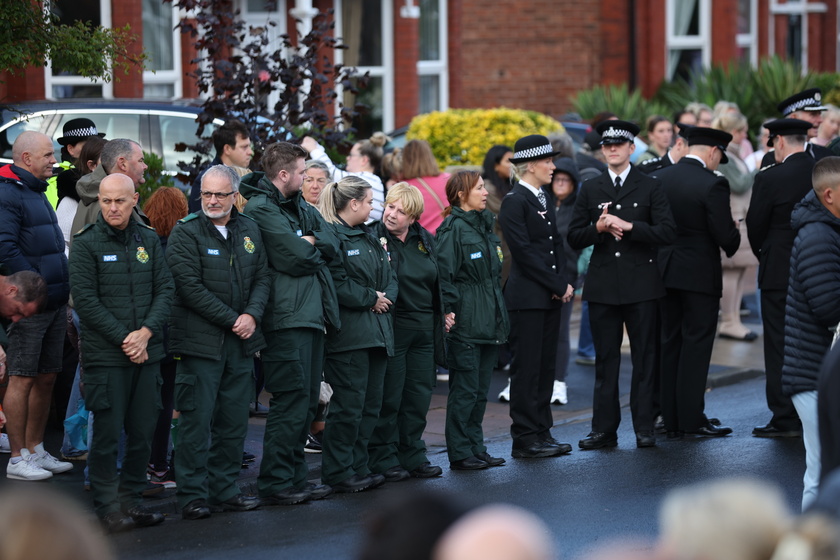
{"x":496,"y":532}
{"x":117,"y":199}
{"x":34,"y":152}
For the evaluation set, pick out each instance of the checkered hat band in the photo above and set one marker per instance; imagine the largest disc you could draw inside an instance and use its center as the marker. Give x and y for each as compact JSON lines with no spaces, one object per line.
{"x":534,"y":152}
{"x":82,"y":132}
{"x":801,"y":104}
{"x":618,"y":133}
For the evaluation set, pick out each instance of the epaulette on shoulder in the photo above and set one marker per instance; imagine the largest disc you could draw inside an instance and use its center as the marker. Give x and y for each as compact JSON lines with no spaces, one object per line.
{"x":141,"y":224}
{"x":650,"y":162}
{"x":719,"y":174}
{"x":768,"y":166}
{"x":188,"y":218}
{"x":243,"y":215}
{"x":84,"y":229}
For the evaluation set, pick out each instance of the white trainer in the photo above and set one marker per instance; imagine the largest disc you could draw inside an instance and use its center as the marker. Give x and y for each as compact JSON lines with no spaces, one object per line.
{"x":26,"y":470}
{"x":50,"y":463}
{"x":5,"y":446}
{"x":504,"y":396}
{"x":558,"y":396}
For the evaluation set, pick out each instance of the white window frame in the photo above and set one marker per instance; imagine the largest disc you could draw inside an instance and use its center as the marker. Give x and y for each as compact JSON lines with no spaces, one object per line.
{"x":386,"y":71}
{"x":262,"y":19}
{"x":174,"y":76}
{"x":439,"y":68}
{"x":50,"y":81}
{"x":750,"y":40}
{"x":801,"y":7}
{"x":702,"y":41}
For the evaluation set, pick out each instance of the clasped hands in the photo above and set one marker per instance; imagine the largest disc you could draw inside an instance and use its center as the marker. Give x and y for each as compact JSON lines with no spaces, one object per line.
{"x":612,"y":224}
{"x":382,"y":303}
{"x":134,"y":345}
{"x":244,"y":326}
{"x":567,"y":297}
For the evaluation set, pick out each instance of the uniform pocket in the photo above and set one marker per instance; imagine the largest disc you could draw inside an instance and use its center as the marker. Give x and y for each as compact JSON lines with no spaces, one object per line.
{"x":97,"y":396}
{"x":461,"y":356}
{"x":184,"y":392}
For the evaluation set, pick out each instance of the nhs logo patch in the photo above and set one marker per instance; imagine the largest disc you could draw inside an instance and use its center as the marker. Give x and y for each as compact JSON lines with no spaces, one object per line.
{"x":213,"y":252}
{"x":474,"y":256}
{"x":109,"y":258}
{"x":352,"y":252}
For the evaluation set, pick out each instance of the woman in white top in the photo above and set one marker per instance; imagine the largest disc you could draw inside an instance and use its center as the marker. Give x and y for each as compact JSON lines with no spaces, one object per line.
{"x":362,"y":161}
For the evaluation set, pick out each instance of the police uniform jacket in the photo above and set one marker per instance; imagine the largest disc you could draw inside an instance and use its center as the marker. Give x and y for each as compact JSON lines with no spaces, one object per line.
{"x":216,"y":281}
{"x":120,"y":282}
{"x":539,"y":263}
{"x":650,"y":166}
{"x":625,"y":271}
{"x":699,"y":200}
{"x":816,"y":152}
{"x":776,"y":190}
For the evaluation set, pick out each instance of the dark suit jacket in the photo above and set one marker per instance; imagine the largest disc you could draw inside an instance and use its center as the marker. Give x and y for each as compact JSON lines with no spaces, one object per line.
{"x":776,"y":190}
{"x":650,"y":166}
{"x":699,"y":201}
{"x":539,"y":262}
{"x":815,"y":150}
{"x":626,"y":271}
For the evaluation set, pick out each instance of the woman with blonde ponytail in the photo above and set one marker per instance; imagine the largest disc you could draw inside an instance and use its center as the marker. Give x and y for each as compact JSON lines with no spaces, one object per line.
{"x":356,"y":355}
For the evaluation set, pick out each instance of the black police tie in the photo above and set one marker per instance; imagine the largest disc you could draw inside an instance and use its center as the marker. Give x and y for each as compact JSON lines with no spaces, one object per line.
{"x":541,"y":196}
{"x":618,"y":184}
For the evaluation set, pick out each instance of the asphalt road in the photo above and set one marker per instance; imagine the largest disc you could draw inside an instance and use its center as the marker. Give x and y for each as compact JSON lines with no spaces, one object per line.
{"x":587,"y":499}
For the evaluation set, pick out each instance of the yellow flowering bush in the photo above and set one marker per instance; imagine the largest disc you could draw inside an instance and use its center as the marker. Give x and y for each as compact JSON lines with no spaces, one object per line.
{"x":463,"y":136}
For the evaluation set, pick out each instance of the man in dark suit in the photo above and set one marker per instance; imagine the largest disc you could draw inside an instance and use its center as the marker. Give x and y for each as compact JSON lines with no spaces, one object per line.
{"x":804,"y":106}
{"x":625,"y":215}
{"x":776,"y":190}
{"x":534,"y":293}
{"x":691,"y":272}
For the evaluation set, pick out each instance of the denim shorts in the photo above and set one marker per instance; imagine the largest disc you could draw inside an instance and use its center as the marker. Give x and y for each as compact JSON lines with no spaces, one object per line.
{"x":36,"y":344}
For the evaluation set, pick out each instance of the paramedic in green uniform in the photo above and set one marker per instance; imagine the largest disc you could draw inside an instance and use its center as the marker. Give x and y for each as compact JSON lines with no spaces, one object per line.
{"x":470,"y":258}
{"x":357,"y":354}
{"x":123,"y":293}
{"x":301,"y":302}
{"x":397,"y":450}
{"x":218,"y":263}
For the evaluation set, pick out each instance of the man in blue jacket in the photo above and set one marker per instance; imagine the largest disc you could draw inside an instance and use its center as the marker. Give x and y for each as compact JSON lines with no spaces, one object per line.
{"x":30,"y":239}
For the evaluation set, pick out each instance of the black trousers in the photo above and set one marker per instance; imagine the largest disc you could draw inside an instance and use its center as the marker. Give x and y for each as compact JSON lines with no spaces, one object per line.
{"x":533,"y":341}
{"x":689,"y":320}
{"x":607,"y":323}
{"x":773,"y":318}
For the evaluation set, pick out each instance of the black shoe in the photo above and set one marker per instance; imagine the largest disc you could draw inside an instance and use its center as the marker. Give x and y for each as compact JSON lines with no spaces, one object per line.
{"x":353,"y":484}
{"x":645,"y":439}
{"x":240,"y":502}
{"x":536,"y":451}
{"x":771,"y":431}
{"x":712,"y":421}
{"x":710,"y":430}
{"x":490,"y":460}
{"x":196,"y":509}
{"x":427,"y":470}
{"x":316,"y":491}
{"x":659,"y":425}
{"x":312,"y":445}
{"x":143,"y":518}
{"x":258,"y":410}
{"x":152,"y":489}
{"x":598,"y":440}
{"x":377,"y":480}
{"x":117,"y":522}
{"x":286,"y":497}
{"x":564,"y":447}
{"x":396,"y":474}
{"x":248,"y":457}
{"x":468,"y":464}
{"x":675,"y":434}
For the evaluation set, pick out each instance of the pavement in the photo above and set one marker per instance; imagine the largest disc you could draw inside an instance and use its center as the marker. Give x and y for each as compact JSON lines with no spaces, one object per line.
{"x":732,"y":362}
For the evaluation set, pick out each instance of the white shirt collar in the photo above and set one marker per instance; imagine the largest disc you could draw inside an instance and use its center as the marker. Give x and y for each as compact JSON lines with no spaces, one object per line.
{"x":535,"y":191}
{"x":623,"y":175}
{"x":694,"y":156}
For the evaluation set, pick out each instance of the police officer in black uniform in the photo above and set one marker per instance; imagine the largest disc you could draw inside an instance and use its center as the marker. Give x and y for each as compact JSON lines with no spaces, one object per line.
{"x":776,"y":190}
{"x":625,"y":215}
{"x":675,"y":154}
{"x":805,"y":106}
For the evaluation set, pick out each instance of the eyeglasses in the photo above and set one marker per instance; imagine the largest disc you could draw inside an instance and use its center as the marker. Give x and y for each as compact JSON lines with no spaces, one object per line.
{"x":219,"y":195}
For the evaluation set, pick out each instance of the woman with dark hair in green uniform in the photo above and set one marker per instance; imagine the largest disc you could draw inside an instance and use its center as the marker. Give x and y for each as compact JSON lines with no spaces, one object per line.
{"x":397,"y":449}
{"x":357,"y":354}
{"x":470,"y":259}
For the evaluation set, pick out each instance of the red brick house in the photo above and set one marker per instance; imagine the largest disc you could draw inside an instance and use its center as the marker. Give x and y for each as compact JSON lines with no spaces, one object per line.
{"x":425,"y":55}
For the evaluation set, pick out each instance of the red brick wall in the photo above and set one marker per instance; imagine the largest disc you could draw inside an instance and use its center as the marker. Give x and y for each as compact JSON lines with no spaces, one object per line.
{"x":650,"y":39}
{"x":23,"y":86}
{"x":724,"y":31}
{"x":530,"y":55}
{"x":129,"y":12}
{"x":406,"y":54}
{"x":188,"y":54}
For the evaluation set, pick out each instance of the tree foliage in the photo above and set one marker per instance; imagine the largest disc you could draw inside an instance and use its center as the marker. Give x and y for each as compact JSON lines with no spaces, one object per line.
{"x":239,"y":68}
{"x":29,"y":36}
